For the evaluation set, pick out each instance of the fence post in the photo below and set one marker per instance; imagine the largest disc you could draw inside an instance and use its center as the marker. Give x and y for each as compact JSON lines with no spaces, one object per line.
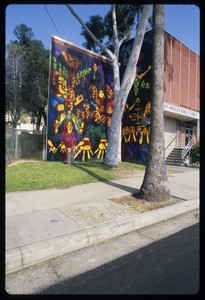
{"x":16,"y":144}
{"x":44,"y":130}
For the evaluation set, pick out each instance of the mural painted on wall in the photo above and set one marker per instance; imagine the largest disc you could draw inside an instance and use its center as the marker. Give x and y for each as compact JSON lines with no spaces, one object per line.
{"x":80,"y":103}
{"x":137,"y":113}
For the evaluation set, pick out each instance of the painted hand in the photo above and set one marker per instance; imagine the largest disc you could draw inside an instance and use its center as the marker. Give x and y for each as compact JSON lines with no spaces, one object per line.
{"x":102,"y":147}
{"x":62,"y":147}
{"x":84,"y":146}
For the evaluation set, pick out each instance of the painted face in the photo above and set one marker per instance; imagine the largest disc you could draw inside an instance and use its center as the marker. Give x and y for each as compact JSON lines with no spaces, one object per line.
{"x":107,"y":88}
{"x":148,"y":106}
{"x":92,"y":91}
{"x":55,"y":123}
{"x":69,"y":105}
{"x":61,"y":87}
{"x":109,"y":109}
{"x":70,"y":94}
{"x":103,"y":119}
{"x":144,"y":130}
{"x":86,"y":106}
{"x":96,"y":116}
{"x":83,"y":79}
{"x":68,"y":126}
{"x":82,"y":114}
{"x":72,"y":80}
{"x":127,"y":129}
{"x":101,"y":95}
{"x":95,"y":67}
{"x":77,"y":112}
{"x":108,"y":121}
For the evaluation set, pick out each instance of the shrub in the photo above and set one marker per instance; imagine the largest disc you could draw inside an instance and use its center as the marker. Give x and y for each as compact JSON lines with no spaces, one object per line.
{"x":195,"y":153}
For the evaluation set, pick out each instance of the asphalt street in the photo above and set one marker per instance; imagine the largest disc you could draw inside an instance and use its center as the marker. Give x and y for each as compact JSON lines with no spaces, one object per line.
{"x":168,"y":266}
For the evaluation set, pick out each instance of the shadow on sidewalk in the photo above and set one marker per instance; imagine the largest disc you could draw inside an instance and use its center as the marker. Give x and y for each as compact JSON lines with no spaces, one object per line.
{"x":108,"y":182}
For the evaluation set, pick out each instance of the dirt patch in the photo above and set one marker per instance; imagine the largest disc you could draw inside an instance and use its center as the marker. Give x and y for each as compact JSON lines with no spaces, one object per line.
{"x":141,"y":206}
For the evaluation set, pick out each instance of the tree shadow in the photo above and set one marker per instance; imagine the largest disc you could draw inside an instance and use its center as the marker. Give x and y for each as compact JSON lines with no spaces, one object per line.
{"x":131,"y":190}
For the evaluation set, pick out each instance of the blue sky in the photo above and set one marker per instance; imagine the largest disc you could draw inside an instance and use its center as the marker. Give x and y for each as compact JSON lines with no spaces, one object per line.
{"x":181,"y":21}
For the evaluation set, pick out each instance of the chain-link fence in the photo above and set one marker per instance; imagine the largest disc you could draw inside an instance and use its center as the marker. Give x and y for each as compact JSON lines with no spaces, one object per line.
{"x":24,"y":144}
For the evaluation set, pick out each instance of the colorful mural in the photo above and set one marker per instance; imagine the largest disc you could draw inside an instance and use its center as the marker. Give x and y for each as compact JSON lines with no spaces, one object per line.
{"x":80,"y":103}
{"x":137,"y":113}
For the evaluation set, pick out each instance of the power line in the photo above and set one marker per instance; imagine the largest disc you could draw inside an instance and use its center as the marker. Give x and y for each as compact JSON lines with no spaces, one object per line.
{"x":52,"y":21}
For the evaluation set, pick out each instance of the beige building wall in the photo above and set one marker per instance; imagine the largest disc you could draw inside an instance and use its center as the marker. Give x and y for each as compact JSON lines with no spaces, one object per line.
{"x":170,"y":135}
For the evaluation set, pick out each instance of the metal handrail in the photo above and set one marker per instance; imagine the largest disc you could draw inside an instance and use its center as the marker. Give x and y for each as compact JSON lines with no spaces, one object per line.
{"x":187,"y":148}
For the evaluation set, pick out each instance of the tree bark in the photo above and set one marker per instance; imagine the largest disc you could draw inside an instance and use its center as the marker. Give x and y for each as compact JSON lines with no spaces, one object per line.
{"x":155,"y":185}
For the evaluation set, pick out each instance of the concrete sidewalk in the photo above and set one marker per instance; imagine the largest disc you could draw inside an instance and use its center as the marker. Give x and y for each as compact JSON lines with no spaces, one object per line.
{"x":44,"y":224}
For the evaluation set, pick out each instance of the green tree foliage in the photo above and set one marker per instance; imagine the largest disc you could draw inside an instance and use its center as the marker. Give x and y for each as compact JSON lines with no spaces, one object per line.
{"x":127,"y":18}
{"x":14,"y":73}
{"x":35,"y":91}
{"x":96,"y":27}
{"x":27,"y":67}
{"x":102,"y":28}
{"x":23,"y":33}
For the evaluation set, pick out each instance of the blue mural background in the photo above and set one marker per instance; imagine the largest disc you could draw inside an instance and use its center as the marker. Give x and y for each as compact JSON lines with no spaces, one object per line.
{"x":80,"y":103}
{"x":137,"y":113}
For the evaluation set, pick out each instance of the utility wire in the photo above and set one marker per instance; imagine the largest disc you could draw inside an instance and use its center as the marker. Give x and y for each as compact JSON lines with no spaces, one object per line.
{"x":52,"y":21}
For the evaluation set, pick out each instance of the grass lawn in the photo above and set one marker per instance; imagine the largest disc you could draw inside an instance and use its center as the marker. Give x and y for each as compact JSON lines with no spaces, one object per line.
{"x":25,"y":176}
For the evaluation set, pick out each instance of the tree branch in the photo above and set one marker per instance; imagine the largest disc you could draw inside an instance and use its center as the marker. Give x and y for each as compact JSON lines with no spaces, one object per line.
{"x":106,"y":50}
{"x":134,"y":56}
{"x":123,"y":39}
{"x":114,"y":20}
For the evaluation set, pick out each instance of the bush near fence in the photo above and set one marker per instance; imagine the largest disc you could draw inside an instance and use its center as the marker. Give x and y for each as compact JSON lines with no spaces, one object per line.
{"x":195,"y":153}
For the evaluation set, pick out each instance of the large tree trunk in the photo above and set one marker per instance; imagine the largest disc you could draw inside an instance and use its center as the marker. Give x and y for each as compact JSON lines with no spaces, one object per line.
{"x":113,"y":152}
{"x":155,"y":185}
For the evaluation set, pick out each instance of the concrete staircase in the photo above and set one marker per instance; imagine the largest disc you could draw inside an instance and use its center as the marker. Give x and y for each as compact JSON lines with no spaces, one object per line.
{"x":175,"y":157}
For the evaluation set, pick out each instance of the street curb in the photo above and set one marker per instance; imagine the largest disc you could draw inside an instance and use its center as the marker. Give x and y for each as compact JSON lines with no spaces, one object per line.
{"x":32,"y":254}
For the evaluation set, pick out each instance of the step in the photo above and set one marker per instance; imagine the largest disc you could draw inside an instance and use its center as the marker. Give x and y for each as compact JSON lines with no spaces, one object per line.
{"x":174,"y":164}
{"x":174,"y":157}
{"x":176,"y":152}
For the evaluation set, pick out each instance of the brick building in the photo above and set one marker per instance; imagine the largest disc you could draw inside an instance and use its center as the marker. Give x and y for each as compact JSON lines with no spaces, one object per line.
{"x":181,"y":93}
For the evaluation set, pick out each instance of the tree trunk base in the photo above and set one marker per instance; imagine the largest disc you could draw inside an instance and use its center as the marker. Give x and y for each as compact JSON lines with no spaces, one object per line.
{"x":110,"y":166}
{"x":155,"y":194}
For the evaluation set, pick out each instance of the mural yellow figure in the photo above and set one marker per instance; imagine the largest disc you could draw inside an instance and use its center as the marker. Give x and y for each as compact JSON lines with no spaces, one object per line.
{"x":144,"y":138}
{"x":77,"y":95}
{"x":95,"y":140}
{"x":54,"y":141}
{"x":84,"y":146}
{"x":102,"y":146}
{"x":132,"y":136}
